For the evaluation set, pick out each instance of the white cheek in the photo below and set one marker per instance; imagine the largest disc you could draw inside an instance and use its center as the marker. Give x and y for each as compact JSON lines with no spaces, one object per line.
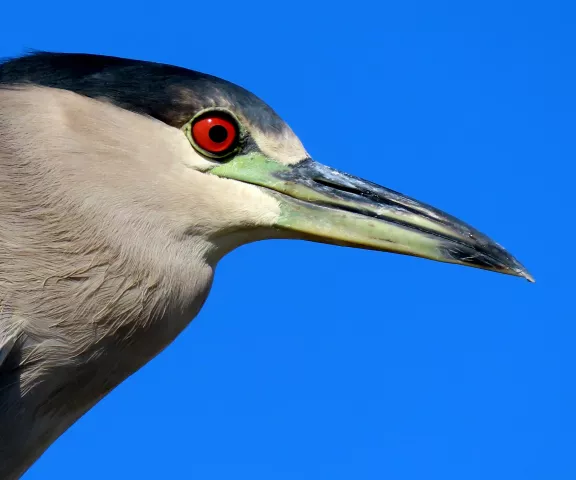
{"x":248,"y":204}
{"x":234,"y":204}
{"x":212,"y":204}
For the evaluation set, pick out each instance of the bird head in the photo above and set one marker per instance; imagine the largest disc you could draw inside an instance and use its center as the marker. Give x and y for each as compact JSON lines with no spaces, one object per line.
{"x":233,"y":171}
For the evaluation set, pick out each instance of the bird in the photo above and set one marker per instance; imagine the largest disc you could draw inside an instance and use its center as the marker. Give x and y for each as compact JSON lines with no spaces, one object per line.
{"x":122,"y":184}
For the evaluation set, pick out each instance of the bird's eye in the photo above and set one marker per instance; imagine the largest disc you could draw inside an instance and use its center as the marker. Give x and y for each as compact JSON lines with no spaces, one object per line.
{"x":216,"y":133}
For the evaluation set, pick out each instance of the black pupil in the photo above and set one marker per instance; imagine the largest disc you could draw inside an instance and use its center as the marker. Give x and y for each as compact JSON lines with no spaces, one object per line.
{"x":218,"y":133}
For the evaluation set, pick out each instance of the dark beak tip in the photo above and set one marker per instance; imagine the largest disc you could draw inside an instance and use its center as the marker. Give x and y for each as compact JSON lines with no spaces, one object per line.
{"x":486,"y":255}
{"x":524,"y":273}
{"x":515,"y":268}
{"x":530,"y":278}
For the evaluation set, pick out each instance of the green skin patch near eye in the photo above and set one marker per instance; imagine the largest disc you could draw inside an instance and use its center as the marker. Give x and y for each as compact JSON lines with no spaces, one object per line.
{"x":253,"y":168}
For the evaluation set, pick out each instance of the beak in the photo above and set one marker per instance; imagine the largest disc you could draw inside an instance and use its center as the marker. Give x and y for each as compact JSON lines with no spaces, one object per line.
{"x":325,"y":205}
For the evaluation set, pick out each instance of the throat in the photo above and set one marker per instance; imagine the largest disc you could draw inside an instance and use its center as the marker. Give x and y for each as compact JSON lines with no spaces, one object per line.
{"x":62,"y":357}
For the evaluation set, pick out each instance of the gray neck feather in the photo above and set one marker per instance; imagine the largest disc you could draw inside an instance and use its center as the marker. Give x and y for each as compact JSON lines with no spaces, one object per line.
{"x":75,"y":333}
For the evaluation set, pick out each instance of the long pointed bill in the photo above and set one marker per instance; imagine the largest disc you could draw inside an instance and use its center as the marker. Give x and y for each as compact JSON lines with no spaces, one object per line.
{"x":329,"y":206}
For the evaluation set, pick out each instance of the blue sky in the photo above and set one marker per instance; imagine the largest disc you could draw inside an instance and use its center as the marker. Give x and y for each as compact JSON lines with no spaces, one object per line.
{"x":378,"y":365}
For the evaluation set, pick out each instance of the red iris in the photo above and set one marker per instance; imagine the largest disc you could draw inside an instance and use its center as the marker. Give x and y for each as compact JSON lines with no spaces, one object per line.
{"x":216,"y":133}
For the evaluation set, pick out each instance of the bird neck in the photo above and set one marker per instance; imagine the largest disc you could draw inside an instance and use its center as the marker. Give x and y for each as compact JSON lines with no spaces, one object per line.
{"x":74,"y":328}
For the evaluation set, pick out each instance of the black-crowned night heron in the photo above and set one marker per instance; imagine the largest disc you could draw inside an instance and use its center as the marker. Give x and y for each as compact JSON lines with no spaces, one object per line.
{"x":122,"y":183}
